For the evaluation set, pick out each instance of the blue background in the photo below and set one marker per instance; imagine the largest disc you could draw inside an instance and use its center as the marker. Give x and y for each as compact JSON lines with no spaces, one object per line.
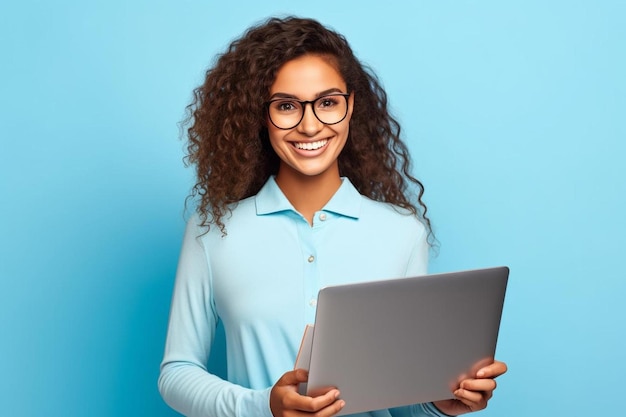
{"x":515,"y":115}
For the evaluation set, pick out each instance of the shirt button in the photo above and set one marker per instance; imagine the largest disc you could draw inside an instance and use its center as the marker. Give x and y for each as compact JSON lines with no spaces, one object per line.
{"x":311,"y":258}
{"x":313,"y":302}
{"x":323,"y":216}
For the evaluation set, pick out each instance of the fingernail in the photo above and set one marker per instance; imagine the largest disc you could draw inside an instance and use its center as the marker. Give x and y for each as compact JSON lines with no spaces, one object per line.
{"x":342,"y":403}
{"x":480,"y":373}
{"x":337,"y":394}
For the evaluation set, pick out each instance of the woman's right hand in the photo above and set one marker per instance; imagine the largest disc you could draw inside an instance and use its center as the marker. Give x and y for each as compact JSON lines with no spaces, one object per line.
{"x":286,"y":402}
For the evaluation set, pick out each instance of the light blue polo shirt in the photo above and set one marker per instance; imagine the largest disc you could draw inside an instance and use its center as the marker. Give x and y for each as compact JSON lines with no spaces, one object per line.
{"x":261,"y":280}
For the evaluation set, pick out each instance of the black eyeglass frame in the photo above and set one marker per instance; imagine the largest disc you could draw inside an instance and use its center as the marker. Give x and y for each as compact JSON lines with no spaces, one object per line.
{"x":303,"y":103}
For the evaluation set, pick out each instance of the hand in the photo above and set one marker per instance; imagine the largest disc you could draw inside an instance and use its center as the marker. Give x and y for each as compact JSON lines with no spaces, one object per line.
{"x":286,"y":402}
{"x":473,"y":394}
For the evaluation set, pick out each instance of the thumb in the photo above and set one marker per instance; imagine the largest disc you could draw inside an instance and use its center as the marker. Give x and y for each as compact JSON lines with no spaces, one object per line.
{"x":293,"y":377}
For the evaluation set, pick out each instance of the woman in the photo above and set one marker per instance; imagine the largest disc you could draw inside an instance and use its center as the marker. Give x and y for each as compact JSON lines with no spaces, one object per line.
{"x":303,"y":182}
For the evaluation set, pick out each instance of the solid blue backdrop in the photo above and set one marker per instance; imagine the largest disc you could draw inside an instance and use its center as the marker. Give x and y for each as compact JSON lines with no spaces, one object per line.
{"x":514,"y":113}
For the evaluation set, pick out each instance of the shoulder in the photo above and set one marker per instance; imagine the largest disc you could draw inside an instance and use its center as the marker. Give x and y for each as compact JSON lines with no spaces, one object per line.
{"x":391,"y":216}
{"x":240,"y":217}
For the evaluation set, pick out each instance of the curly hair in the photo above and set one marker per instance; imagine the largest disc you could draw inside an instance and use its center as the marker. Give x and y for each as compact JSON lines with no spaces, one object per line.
{"x":226,"y":122}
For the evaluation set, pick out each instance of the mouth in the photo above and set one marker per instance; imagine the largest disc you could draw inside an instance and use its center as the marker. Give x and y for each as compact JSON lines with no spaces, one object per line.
{"x":311,"y":146}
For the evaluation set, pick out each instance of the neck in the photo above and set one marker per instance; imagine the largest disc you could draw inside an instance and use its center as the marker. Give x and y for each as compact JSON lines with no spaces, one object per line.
{"x":308,"y":194}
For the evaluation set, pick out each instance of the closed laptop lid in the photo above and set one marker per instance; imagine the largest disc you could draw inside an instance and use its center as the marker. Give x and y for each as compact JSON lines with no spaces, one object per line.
{"x":404,"y":341}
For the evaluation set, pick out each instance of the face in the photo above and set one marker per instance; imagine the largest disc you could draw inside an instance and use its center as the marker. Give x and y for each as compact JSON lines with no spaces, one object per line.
{"x":311,"y":147}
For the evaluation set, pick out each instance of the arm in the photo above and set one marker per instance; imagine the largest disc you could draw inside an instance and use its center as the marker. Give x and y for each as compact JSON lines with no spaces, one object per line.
{"x":418,"y":259}
{"x":473,"y":394}
{"x":418,"y":265}
{"x":184,"y":381}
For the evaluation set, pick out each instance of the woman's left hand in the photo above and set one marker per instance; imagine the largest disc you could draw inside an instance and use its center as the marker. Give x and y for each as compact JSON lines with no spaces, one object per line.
{"x":473,"y":394}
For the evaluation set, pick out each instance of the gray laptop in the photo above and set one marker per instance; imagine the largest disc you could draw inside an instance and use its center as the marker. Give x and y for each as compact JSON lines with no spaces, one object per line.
{"x":404,"y":341}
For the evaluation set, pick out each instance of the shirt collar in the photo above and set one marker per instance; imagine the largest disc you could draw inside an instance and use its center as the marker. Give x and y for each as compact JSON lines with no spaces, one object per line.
{"x":345,"y":202}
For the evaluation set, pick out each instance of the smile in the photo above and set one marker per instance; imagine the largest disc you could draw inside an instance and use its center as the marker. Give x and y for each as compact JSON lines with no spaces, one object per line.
{"x":311,"y":146}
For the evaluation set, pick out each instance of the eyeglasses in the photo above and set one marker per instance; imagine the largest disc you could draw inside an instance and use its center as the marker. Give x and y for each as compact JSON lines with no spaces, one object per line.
{"x":287,"y":113}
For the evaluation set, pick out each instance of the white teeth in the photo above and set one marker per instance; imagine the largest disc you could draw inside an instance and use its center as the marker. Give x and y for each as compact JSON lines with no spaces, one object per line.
{"x":311,"y":146}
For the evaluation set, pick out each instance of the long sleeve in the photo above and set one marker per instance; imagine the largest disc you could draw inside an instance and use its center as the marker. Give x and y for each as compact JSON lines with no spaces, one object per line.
{"x":184,"y":381}
{"x":417,"y":410}
{"x":418,"y":260}
{"x":418,"y":265}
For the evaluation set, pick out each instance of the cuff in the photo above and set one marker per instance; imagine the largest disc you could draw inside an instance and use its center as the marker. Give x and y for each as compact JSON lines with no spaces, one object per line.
{"x":256,"y":404}
{"x":431,"y":410}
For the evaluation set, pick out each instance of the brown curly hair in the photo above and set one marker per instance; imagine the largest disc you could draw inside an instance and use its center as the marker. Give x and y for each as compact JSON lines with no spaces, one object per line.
{"x":226,"y":122}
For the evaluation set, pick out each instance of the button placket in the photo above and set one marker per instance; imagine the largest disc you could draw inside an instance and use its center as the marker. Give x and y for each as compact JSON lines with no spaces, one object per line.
{"x":312,"y":295}
{"x":310,"y":269}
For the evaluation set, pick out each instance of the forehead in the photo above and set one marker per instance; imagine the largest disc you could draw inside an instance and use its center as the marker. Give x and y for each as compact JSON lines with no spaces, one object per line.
{"x":306,"y":76}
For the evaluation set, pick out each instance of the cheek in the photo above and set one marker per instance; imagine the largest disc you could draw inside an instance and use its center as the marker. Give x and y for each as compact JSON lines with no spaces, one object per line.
{"x":346,"y":123}
{"x":344,"y":130}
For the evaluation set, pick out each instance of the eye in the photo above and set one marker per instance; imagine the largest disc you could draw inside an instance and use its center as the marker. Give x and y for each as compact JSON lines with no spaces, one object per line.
{"x":327,"y":102}
{"x":285,"y":106}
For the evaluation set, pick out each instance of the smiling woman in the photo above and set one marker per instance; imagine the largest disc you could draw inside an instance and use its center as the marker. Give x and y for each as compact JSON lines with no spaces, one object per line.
{"x":308,"y":150}
{"x":228,"y":124}
{"x":301,"y":170}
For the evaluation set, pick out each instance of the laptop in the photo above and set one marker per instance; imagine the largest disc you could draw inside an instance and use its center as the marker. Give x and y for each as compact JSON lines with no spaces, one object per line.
{"x":404,"y":341}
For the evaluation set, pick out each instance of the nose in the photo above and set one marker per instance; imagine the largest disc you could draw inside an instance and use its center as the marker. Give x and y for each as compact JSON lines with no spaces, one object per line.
{"x":310,"y":124}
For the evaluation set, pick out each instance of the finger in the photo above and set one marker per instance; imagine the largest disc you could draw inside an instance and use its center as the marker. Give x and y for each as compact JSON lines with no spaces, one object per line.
{"x":469,"y":395}
{"x":475,"y":400}
{"x":479,"y":385}
{"x":299,"y":402}
{"x":332,"y":409}
{"x":293,"y":377}
{"x":328,"y":404}
{"x":494,"y":370}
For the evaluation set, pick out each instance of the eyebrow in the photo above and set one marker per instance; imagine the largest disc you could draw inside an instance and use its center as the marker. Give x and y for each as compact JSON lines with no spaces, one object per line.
{"x":318,"y":95}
